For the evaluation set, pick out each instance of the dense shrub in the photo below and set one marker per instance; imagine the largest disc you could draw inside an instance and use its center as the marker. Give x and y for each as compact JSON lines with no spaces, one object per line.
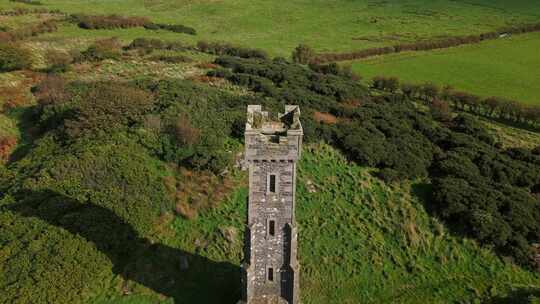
{"x":390,"y":84}
{"x":224,"y":48}
{"x":44,"y":261}
{"x":177,"y":28}
{"x":107,"y":106}
{"x":102,"y":49}
{"x":150,"y":44}
{"x":335,"y":69}
{"x":292,"y":83}
{"x":198,"y":121}
{"x":14,"y":57}
{"x":440,"y":110}
{"x":302,"y":54}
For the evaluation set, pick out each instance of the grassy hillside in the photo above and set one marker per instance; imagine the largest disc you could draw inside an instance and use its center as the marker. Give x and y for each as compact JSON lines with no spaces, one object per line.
{"x":361,"y":241}
{"x":507,"y":67}
{"x":327,"y":26}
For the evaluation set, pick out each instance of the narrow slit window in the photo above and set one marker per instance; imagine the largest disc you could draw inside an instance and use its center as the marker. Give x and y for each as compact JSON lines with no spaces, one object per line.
{"x":270,"y":274}
{"x":272,"y":184}
{"x":272,"y":228}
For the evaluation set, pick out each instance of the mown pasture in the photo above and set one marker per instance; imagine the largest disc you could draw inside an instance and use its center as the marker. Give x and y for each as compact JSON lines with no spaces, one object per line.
{"x":508,"y":67}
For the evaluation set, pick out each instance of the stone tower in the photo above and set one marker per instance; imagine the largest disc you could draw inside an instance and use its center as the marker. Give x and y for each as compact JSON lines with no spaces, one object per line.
{"x":272,"y":148}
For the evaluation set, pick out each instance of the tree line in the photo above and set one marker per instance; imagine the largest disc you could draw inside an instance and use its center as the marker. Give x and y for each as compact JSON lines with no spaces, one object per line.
{"x":426,"y":45}
{"x":491,"y":107}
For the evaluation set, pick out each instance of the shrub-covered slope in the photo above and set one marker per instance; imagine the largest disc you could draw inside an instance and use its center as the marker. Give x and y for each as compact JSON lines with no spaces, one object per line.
{"x":98,"y":195}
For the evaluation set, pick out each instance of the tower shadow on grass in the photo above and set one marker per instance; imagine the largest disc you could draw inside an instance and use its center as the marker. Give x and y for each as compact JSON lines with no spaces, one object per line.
{"x":156,"y":266}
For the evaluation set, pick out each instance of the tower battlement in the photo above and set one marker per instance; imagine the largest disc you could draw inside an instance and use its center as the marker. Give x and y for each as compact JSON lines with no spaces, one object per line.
{"x":270,"y":138}
{"x":273,"y":145}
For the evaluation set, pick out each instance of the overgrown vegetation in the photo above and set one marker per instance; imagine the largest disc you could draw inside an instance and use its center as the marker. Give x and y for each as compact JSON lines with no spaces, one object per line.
{"x":126,"y":191}
{"x":393,"y":135}
{"x":14,"y":57}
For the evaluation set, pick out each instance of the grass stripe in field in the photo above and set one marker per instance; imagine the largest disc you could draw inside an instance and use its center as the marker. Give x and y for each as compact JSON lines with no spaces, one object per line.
{"x":508,"y":67}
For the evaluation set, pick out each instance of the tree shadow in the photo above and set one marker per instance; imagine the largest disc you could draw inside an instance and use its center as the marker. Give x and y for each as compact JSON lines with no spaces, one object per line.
{"x":25,"y":117}
{"x":184,"y":276}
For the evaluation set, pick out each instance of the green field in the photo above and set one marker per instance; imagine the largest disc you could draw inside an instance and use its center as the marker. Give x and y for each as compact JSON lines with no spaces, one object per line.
{"x":506,"y":67}
{"x":325,"y":25}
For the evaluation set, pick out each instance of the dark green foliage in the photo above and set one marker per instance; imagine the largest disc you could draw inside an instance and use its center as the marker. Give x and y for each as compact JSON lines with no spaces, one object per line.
{"x":45,"y":264}
{"x":104,"y":107}
{"x":335,"y":69}
{"x":13,"y":57}
{"x":384,"y":135}
{"x":224,"y":48}
{"x":150,"y":44}
{"x":177,"y":28}
{"x":486,"y":192}
{"x":390,"y":84}
{"x":292,"y":83}
{"x":211,"y":113}
{"x":303,"y":54}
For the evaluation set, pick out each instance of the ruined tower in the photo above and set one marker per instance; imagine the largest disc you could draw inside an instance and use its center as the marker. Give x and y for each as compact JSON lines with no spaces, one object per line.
{"x":273,"y":146}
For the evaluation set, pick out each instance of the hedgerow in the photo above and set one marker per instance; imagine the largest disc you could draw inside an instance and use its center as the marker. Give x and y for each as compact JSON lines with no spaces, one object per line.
{"x":177,"y":28}
{"x":108,"y":22}
{"x":224,"y":48}
{"x":425,"y":45}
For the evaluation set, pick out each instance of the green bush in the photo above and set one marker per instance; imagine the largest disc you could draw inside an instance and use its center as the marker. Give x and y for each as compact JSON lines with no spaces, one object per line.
{"x":107,"y":106}
{"x":13,"y":57}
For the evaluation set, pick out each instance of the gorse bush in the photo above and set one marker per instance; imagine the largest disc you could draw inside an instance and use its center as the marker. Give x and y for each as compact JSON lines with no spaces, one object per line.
{"x":104,"y":107}
{"x":291,"y":83}
{"x":224,"y":48}
{"x":14,"y":57}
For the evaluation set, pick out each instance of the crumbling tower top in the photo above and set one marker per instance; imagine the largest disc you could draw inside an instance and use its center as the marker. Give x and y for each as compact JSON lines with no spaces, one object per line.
{"x":270,"y":137}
